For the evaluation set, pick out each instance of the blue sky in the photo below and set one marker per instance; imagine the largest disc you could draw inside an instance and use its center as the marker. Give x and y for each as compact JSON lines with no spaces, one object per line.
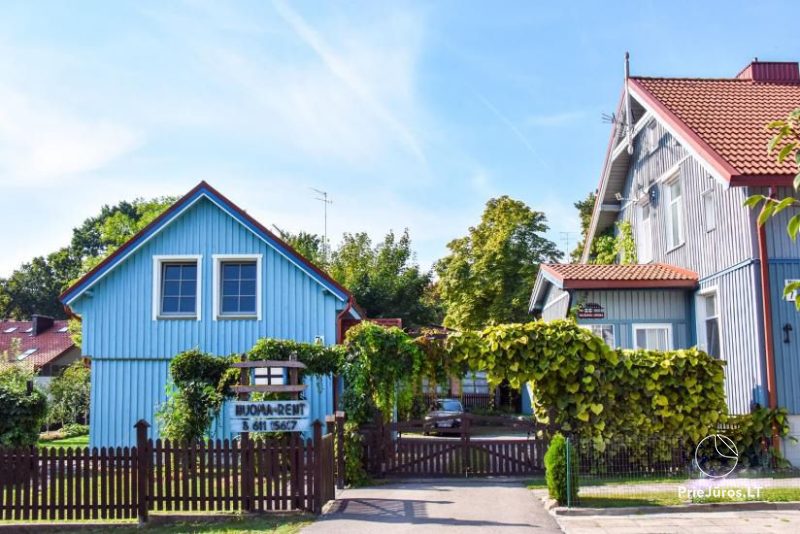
{"x":409,"y":114}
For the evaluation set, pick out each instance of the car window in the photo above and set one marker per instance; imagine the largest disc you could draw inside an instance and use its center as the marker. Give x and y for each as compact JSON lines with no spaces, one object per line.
{"x":449,"y":406}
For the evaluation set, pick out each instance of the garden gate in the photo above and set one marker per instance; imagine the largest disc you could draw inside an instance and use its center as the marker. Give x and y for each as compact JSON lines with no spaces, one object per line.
{"x":477,"y":446}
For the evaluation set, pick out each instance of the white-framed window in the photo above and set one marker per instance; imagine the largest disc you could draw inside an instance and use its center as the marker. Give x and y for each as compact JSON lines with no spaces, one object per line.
{"x":237,"y":286}
{"x":709,"y":337}
{"x":605,"y":331}
{"x":675,"y":228}
{"x":177,"y":282}
{"x":269,"y":376}
{"x":475,"y":383}
{"x":709,"y":210}
{"x":652,"y":336}
{"x":644,"y":235}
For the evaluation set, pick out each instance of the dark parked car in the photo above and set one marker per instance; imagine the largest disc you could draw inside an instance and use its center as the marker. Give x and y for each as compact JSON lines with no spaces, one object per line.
{"x":444,"y":408}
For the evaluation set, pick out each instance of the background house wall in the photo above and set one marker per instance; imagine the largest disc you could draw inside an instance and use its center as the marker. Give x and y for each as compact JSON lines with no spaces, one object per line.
{"x":131,"y":352}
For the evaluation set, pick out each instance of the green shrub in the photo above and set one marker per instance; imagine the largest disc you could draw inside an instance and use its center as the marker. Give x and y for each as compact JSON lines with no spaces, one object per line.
{"x":73,"y":430}
{"x":354,"y":471}
{"x":22,"y":414}
{"x":69,"y":394}
{"x":555,"y":464}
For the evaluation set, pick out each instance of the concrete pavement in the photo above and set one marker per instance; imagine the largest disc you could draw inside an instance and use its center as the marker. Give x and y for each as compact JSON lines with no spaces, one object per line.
{"x":773,"y":522}
{"x":479,"y":505}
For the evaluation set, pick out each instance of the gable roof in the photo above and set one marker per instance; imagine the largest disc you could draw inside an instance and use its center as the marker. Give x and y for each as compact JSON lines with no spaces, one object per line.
{"x":203,"y":190}
{"x":725,"y":122}
{"x":720,"y":121}
{"x":49,"y":344}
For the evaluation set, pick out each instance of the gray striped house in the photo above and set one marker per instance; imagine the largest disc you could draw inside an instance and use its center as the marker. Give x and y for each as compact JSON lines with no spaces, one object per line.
{"x":683,"y":156}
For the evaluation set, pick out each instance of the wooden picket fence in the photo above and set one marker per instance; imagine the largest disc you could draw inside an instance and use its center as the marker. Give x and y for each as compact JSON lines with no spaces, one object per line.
{"x":254,"y":475}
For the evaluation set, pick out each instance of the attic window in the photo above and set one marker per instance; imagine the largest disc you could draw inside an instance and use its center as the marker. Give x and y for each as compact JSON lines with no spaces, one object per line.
{"x":10,"y":330}
{"x":26,"y":354}
{"x":29,"y":330}
{"x":237,"y":283}
{"x":176,"y":287}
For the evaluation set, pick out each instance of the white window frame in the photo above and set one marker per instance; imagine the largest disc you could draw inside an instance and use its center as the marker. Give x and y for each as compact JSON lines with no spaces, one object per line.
{"x":219,"y":259}
{"x":472,"y":377}
{"x":649,"y":326}
{"x":158,"y":263}
{"x":590,"y":327}
{"x":709,"y":201}
{"x":669,"y":219}
{"x":644,"y":236}
{"x":700,"y":318}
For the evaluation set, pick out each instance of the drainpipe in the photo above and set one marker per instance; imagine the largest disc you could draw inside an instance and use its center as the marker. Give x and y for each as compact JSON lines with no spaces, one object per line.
{"x":769,"y":348}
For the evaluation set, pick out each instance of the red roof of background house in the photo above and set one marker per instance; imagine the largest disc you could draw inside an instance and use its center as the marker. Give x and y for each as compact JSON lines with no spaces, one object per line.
{"x":49,"y":344}
{"x":583,"y":276}
{"x":725,"y":119}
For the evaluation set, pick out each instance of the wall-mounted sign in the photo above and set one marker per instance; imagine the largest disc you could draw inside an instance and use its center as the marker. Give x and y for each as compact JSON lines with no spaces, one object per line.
{"x":591,"y":310}
{"x":269,"y":416}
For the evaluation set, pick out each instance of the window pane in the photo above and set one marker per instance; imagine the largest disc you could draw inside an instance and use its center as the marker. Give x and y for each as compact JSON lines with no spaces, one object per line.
{"x":248,"y":271}
{"x":712,"y":338}
{"x":188,"y":288}
{"x":711,"y":306}
{"x":171,"y":288}
{"x":186,"y":305}
{"x":172,"y":272}
{"x":710,"y":213}
{"x":655,"y":338}
{"x":641,"y":339}
{"x":230,"y":304}
{"x":247,"y":287}
{"x":170,"y":305}
{"x":189,"y":272}
{"x":247,"y":304}
{"x":230,"y":271}
{"x":230,"y":288}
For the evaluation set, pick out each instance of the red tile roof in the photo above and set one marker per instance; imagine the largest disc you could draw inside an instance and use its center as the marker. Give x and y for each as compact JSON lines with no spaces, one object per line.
{"x":49,"y":344}
{"x":725,"y":120}
{"x":651,"y":275}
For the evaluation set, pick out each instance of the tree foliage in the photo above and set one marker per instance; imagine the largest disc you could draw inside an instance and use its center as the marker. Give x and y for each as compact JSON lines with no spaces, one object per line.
{"x":35,"y":286}
{"x":69,"y":394}
{"x":585,"y":208}
{"x":562,"y":481}
{"x":311,"y":246}
{"x":585,"y":387}
{"x":487,"y":276}
{"x":785,"y":143}
{"x":385,"y":279}
{"x":23,"y":413}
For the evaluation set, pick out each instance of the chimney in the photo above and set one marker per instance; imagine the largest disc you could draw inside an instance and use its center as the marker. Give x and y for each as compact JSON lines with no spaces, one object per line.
{"x":771,"y":72}
{"x":40,"y":324}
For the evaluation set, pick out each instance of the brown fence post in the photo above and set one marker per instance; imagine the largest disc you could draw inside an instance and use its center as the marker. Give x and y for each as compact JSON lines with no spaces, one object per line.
{"x":340,"y":419}
{"x":318,"y":460}
{"x":248,"y":471}
{"x":142,"y":470}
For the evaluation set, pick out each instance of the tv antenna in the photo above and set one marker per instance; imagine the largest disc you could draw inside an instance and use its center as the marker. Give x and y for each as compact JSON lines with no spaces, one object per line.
{"x":566,"y":237}
{"x":323,"y":197}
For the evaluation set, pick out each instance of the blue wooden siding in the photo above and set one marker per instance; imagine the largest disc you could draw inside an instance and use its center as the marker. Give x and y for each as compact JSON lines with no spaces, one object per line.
{"x":787,"y":355}
{"x":131,"y":351}
{"x":624,"y":308}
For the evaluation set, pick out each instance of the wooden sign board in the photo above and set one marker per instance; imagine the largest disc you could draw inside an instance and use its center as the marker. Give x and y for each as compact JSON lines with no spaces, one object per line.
{"x":269,"y":416}
{"x":591,"y":310}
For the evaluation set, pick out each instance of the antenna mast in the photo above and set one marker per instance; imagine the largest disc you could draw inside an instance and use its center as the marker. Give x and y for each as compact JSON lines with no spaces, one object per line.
{"x":323,"y":197}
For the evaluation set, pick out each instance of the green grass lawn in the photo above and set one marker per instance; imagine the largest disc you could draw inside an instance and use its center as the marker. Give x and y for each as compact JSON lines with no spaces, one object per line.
{"x":77,"y":441}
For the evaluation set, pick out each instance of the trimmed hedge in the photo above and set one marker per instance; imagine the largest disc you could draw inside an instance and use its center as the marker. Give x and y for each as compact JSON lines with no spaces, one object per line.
{"x":555,"y":465}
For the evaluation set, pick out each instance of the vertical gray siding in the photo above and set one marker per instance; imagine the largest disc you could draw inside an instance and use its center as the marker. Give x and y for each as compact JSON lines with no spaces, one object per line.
{"x":742,"y":336}
{"x":624,"y":308}
{"x":779,"y":244}
{"x":787,"y":355}
{"x":703,"y":252}
{"x":556,"y":305}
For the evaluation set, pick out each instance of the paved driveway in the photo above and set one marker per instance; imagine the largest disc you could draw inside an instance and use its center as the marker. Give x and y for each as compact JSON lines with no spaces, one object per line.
{"x":774,"y":522}
{"x":478,"y":505}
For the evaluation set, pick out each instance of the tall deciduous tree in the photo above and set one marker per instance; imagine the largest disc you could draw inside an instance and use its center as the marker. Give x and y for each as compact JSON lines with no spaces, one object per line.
{"x":35,"y":286}
{"x":311,"y":246}
{"x":585,"y":208}
{"x":385,"y":279}
{"x":488,"y":275}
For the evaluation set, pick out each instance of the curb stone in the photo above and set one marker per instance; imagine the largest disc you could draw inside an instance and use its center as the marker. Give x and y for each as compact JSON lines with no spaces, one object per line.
{"x":551,"y":506}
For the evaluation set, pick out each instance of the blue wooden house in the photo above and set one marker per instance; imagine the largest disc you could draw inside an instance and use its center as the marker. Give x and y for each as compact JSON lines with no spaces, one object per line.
{"x":204,"y":274}
{"x":683,"y":156}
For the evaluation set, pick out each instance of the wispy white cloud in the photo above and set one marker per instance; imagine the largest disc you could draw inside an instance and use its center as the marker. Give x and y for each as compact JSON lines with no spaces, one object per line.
{"x":513,"y":129}
{"x":41,"y":142}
